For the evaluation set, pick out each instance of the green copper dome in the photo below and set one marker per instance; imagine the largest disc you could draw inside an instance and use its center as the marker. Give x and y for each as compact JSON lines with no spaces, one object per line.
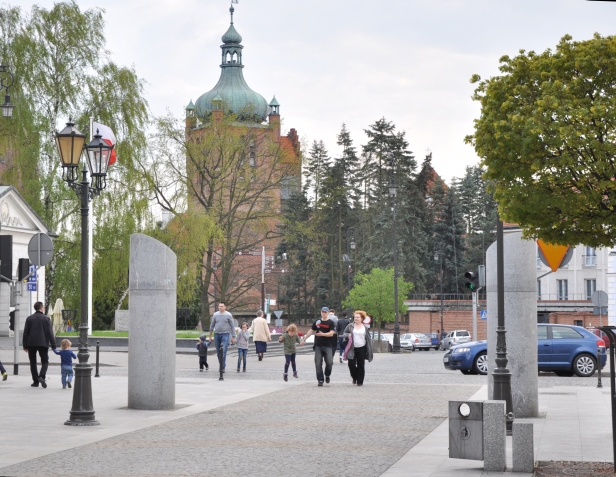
{"x":236,"y":95}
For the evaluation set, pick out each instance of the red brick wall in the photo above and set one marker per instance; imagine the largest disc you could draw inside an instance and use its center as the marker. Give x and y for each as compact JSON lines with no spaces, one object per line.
{"x":564,"y":318}
{"x":430,"y":321}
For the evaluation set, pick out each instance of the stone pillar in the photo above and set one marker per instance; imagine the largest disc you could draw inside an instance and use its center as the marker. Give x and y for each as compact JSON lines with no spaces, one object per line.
{"x":151,"y":349}
{"x":523,"y":448}
{"x":520,"y":257}
{"x":494,"y":436}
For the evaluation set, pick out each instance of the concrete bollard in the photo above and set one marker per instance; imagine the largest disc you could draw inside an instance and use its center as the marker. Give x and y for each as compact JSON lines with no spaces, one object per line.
{"x":523,"y":447}
{"x":494,"y":436}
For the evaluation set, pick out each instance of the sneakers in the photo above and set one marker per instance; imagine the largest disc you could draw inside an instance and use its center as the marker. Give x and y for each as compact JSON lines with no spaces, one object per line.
{"x":69,"y":385}
{"x":201,"y":370}
{"x":355,"y":381}
{"x":320,"y":383}
{"x":244,"y":370}
{"x":35,"y":385}
{"x":63,"y":387}
{"x":295,"y":374}
{"x":42,"y":381}
{"x":207,"y":367}
{"x":4,"y":376}
{"x":285,"y":376}
{"x":327,"y":379}
{"x":238,"y":370}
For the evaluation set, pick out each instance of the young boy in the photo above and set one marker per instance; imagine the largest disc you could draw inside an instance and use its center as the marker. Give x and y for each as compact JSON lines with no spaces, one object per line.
{"x":66,"y":362}
{"x":202,"y":347}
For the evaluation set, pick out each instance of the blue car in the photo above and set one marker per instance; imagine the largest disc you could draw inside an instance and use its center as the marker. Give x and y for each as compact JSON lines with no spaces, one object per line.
{"x":562,"y":349}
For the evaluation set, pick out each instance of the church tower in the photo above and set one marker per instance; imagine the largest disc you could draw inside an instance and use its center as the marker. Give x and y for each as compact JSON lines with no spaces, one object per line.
{"x":260,"y":154}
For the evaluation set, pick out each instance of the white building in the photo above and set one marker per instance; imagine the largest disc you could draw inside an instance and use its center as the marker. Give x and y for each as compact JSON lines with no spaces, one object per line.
{"x":18,"y":219}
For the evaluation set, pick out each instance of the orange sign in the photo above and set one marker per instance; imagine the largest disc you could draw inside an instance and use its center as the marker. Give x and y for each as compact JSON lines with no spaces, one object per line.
{"x":553,"y":254}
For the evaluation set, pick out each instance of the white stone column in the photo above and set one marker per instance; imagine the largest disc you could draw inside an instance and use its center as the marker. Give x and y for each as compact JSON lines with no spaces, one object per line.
{"x":151,"y":329}
{"x":520,"y":258}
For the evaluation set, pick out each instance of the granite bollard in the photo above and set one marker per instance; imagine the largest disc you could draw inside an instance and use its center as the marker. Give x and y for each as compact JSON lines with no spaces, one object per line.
{"x":523,"y":447}
{"x":520,"y":259}
{"x":121,"y":320}
{"x":494,"y":436}
{"x":151,"y":349}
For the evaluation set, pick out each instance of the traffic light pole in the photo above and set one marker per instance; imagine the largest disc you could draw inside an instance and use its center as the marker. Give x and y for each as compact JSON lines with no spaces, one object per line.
{"x":474,"y":338}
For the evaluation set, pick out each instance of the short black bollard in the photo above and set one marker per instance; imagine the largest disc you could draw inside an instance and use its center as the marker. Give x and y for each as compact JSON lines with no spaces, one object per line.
{"x":98,"y":347}
{"x":220,"y":357}
{"x":599,"y":385}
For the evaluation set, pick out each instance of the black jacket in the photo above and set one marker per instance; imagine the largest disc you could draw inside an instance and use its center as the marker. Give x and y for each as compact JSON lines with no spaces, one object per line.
{"x":38,"y":331}
{"x":341,"y":326}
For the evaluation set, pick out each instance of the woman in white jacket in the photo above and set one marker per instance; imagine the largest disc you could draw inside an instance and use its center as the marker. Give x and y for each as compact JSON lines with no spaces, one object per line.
{"x":260,"y":334}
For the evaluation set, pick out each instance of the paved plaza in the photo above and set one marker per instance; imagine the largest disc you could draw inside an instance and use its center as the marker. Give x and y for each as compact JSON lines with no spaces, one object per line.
{"x":256,"y":424}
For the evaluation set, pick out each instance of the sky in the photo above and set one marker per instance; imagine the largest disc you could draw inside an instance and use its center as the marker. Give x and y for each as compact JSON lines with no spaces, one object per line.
{"x":331,"y":62}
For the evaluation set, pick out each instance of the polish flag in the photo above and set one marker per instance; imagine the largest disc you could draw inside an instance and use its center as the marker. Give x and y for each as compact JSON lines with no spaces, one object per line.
{"x":107,"y":136}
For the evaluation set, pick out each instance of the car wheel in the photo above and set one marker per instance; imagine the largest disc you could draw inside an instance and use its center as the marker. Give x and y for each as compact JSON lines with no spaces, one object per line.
{"x":480,"y":366}
{"x":584,"y":365}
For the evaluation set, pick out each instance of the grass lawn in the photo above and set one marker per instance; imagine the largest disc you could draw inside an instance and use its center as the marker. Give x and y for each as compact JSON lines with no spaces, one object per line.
{"x":124,"y":334}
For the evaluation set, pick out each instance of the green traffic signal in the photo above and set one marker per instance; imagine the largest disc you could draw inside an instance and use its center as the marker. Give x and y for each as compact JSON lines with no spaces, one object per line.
{"x":473,"y":281}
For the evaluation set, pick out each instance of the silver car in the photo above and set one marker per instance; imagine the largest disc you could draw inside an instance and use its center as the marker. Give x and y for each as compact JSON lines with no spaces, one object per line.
{"x":454,"y":338}
{"x":415,"y":341}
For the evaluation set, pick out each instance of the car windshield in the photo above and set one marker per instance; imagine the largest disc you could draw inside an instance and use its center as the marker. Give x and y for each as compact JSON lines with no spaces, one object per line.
{"x":406,"y":337}
{"x":421,"y":336}
{"x":463,"y":333}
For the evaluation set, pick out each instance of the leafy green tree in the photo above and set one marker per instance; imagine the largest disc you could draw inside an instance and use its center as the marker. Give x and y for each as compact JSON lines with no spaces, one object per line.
{"x":374,"y":293}
{"x":545,"y":136}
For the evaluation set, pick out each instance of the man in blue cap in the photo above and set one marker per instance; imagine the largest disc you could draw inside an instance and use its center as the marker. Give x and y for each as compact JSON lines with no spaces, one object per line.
{"x":324,"y":330}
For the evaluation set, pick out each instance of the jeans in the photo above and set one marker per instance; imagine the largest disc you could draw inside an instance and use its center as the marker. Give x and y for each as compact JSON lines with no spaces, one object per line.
{"x":323,"y":352}
{"x":241,"y":354}
{"x":289,"y":358}
{"x":67,"y":373}
{"x":340,"y":341}
{"x":224,"y":339}
{"x":2,"y":370}
{"x":356,"y":365}
{"x":43,"y":352}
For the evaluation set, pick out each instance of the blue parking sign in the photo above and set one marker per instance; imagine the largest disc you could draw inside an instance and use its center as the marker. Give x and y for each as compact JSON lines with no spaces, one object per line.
{"x":31,"y":287}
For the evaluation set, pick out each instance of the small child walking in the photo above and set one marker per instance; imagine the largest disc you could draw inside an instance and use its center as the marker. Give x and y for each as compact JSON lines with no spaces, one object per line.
{"x":202,"y":347}
{"x":290,"y":339}
{"x":66,"y":362}
{"x":243,"y":335}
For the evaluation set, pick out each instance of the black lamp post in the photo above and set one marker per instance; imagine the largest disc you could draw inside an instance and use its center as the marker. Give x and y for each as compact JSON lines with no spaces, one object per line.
{"x":438,"y":256}
{"x":70,"y":142}
{"x":393,"y":189}
{"x":6,"y":81}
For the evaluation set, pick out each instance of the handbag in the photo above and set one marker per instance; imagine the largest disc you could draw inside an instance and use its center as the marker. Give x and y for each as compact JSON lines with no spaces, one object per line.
{"x":348,"y":347}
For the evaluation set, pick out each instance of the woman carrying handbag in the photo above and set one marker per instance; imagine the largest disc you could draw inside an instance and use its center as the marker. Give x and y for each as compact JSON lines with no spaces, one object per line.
{"x":359,"y":348}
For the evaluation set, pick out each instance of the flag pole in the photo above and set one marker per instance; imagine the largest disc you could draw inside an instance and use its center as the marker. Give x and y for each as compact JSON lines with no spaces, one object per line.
{"x":90,"y":235}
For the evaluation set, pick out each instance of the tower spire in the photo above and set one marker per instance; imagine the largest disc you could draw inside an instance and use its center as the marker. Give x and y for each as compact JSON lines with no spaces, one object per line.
{"x":231,"y":10}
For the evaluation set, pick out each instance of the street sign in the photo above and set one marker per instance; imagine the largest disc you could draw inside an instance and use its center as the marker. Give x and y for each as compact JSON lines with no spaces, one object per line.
{"x":599,"y":298}
{"x":484,"y":314}
{"x":40,"y":249}
{"x":278,"y":313}
{"x":33,"y":277}
{"x":554,"y":256}
{"x":31,"y":287}
{"x":368,"y":320}
{"x":599,"y":310}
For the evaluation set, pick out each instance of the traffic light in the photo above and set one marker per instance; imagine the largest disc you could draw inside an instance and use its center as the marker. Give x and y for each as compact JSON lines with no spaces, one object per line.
{"x":473,"y":281}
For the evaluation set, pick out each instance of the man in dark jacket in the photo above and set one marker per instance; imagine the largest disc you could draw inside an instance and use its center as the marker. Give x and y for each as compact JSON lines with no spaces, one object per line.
{"x":340,"y":327}
{"x":38,"y":336}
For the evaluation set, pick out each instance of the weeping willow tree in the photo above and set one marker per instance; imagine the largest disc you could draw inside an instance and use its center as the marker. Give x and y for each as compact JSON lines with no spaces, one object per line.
{"x":62,"y":70}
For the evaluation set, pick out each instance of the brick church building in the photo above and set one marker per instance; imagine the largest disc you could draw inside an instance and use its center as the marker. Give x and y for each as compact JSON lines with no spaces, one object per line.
{"x":241,"y":168}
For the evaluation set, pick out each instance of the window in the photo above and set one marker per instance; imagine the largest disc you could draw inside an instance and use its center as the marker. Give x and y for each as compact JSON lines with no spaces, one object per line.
{"x":564,"y":333}
{"x":538,"y":289}
{"x":253,"y":159}
{"x":288,"y":185}
{"x":578,"y":322}
{"x":590,"y":286}
{"x":590,"y":257}
{"x":539,"y":263}
{"x":542,"y":332}
{"x":463,"y":333}
{"x":563,"y":289}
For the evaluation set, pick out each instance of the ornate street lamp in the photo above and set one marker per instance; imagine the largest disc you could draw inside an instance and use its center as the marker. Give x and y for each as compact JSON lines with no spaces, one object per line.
{"x":393,"y":190}
{"x":5,"y":83}
{"x":70,"y":142}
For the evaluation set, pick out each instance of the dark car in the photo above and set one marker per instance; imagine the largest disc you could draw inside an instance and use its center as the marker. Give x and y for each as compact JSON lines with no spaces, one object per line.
{"x":563,"y":349}
{"x":434,"y":339}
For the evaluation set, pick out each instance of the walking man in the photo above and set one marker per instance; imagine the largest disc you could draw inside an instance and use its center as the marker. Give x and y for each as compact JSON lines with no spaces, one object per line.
{"x":38,"y":337}
{"x":340,"y":327}
{"x":324,"y":331}
{"x":222,"y":327}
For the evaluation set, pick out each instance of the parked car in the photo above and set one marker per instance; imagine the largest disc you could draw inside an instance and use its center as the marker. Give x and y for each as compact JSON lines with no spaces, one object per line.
{"x":415,"y":341}
{"x":601,"y":335}
{"x":562,"y":349}
{"x":455,"y":337}
{"x":436,"y":342}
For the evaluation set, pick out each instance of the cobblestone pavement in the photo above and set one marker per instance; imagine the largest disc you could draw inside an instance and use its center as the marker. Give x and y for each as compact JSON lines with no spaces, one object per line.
{"x":336,"y":430}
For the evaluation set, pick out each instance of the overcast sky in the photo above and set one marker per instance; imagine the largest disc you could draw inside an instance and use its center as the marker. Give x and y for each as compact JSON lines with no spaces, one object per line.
{"x":345,"y":61}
